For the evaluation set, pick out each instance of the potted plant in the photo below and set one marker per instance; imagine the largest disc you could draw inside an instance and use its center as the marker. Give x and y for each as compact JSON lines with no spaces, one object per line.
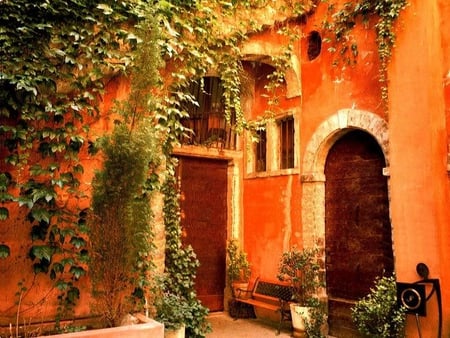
{"x":171,"y":310}
{"x":378,"y":315}
{"x":238,"y":269}
{"x":302,"y":270}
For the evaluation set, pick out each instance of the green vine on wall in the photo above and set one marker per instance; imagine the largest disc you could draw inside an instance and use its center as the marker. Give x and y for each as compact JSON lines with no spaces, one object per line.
{"x":341,"y":21}
{"x":211,"y":41}
{"x":181,"y":264}
{"x":53,"y":62}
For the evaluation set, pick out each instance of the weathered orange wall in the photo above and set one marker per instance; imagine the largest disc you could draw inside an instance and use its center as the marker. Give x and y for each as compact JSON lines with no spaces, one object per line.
{"x":419,"y":180}
{"x":271,"y":218}
{"x":419,"y":134}
{"x":444,"y":229}
{"x":325,"y":90}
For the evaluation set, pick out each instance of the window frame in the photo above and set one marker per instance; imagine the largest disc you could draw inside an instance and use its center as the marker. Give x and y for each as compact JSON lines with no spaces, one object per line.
{"x":273,"y":149}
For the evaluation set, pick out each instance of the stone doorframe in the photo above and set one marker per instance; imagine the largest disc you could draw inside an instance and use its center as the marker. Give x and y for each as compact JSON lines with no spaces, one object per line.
{"x":313,"y":166}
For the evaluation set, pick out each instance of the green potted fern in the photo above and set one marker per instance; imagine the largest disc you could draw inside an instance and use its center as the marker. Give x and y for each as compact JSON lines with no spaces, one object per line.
{"x":302,"y":270}
{"x":238,"y":268}
{"x":172,"y":310}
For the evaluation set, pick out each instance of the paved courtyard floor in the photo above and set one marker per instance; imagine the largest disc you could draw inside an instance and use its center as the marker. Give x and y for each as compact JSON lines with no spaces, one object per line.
{"x":223,"y":326}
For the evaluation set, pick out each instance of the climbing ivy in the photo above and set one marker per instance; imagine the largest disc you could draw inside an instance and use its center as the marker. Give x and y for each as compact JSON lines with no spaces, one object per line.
{"x":123,"y":192}
{"x":181,"y":264}
{"x":208,"y":36}
{"x":54,"y":61}
{"x":341,"y":20}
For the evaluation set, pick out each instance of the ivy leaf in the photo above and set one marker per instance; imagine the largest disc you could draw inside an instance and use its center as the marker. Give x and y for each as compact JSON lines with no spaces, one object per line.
{"x":77,"y":242}
{"x":12,"y":159}
{"x":107,"y":10}
{"x":5,"y":251}
{"x":67,"y":261}
{"x":77,"y":271}
{"x":4,"y":214}
{"x":42,"y":252}
{"x":84,"y":256}
{"x":42,"y":266}
{"x":78,"y":169}
{"x":62,"y":285}
{"x":58,"y":267}
{"x":23,"y":200}
{"x":41,"y":215}
{"x":39,"y":232}
{"x":72,"y":295}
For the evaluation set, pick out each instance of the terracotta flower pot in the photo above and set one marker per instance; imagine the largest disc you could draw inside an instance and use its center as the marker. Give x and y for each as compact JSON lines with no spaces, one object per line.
{"x":240,"y":289}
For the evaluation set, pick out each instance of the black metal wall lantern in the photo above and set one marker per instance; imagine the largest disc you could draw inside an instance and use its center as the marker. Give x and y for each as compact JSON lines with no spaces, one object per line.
{"x":413,"y":295}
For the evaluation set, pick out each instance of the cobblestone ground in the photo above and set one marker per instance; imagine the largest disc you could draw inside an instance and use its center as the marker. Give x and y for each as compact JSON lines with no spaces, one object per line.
{"x":226,"y":327}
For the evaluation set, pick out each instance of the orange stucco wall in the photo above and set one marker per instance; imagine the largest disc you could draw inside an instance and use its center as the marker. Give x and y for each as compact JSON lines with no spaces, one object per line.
{"x":270,"y":205}
{"x":324,"y":90}
{"x":419,"y":131}
{"x":419,"y":179}
{"x":271,"y":219}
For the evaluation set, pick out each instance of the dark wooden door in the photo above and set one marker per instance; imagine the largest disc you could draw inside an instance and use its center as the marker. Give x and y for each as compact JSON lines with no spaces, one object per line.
{"x":204,"y":223}
{"x":358,"y":230}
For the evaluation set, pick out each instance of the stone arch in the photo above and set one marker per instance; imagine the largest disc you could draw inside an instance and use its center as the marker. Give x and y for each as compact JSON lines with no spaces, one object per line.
{"x":263,"y":51}
{"x":313,"y":166}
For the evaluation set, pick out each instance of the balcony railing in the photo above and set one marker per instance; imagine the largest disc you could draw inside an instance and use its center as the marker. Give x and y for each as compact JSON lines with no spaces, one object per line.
{"x":210,"y":130}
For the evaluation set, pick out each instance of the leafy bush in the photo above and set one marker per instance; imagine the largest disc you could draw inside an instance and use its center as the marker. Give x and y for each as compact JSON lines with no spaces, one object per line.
{"x":302,"y":270}
{"x":181,"y":264}
{"x":378,"y":315}
{"x":238,"y":265}
{"x":171,"y":310}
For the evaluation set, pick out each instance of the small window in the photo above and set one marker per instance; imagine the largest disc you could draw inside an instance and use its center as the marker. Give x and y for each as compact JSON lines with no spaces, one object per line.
{"x":286,"y":132}
{"x":314,"y":45}
{"x":260,"y":153}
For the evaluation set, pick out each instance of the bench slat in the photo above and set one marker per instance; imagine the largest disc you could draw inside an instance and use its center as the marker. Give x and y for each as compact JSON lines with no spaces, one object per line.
{"x":271,"y":296}
{"x":260,"y":304}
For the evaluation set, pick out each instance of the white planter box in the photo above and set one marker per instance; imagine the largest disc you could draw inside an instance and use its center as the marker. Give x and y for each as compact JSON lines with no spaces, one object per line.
{"x":152,"y":329}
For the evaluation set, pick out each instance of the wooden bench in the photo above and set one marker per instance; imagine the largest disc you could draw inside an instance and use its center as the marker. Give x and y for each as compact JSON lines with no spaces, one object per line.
{"x":268,"y":295}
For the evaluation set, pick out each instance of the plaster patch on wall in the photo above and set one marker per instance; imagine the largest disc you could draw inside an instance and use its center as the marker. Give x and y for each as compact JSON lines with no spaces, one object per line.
{"x":235,"y":203}
{"x":287,"y":214}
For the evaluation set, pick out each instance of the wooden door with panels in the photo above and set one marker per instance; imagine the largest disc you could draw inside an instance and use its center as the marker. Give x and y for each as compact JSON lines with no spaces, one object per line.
{"x":357,"y":226}
{"x":203,"y":184}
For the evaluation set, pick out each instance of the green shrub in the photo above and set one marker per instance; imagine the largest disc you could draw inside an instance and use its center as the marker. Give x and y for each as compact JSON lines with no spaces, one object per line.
{"x":378,"y":315}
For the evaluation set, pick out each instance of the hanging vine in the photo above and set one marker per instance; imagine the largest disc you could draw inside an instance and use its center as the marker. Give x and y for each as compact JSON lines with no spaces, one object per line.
{"x":341,"y":21}
{"x":53,"y":62}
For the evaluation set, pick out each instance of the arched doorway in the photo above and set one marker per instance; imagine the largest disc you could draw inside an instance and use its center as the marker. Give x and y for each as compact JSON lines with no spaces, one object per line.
{"x":357,"y":227}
